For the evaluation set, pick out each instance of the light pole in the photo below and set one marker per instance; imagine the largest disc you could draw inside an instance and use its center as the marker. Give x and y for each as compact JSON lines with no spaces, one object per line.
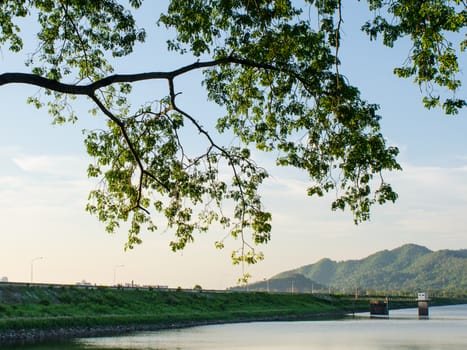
{"x":115,"y":272}
{"x":267,"y":284}
{"x":32,"y":266}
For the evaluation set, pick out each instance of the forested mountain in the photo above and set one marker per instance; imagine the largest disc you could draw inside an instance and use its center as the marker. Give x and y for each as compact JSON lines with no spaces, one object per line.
{"x":408,"y":268}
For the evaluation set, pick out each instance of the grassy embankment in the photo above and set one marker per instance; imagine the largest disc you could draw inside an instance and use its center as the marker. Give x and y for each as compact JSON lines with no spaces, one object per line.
{"x":49,"y":308}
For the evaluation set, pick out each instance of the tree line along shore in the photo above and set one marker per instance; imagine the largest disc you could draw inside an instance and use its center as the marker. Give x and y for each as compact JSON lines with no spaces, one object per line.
{"x":32,"y":313}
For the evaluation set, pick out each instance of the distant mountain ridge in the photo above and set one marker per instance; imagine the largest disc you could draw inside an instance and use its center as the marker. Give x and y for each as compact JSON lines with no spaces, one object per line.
{"x":408,"y":268}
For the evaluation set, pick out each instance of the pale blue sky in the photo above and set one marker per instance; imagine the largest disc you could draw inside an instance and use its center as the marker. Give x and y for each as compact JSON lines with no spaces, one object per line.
{"x":43,"y":184}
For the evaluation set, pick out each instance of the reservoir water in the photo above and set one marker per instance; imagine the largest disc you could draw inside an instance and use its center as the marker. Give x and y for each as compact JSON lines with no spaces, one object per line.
{"x":445,"y":329}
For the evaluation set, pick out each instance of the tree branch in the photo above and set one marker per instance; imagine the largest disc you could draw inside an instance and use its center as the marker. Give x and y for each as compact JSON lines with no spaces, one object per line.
{"x":338,"y":39}
{"x":227,"y":155}
{"x":89,"y":89}
{"x":208,"y":137}
{"x":132,"y":149}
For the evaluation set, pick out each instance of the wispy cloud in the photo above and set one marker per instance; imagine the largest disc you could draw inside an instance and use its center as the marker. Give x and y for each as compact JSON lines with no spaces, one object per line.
{"x":69,"y":165}
{"x":42,"y":181}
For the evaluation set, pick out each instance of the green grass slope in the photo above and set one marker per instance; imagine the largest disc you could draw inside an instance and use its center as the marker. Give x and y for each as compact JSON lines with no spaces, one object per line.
{"x":67,"y":307}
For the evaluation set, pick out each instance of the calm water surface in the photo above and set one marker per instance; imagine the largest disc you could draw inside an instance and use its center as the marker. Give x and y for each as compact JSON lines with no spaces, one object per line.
{"x":445,"y":329}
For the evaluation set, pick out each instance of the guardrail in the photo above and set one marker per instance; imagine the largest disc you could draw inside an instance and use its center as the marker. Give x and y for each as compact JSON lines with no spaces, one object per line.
{"x":119,"y":286}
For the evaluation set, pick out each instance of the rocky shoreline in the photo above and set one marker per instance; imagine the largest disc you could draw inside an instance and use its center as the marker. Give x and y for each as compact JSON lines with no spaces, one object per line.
{"x":31,"y":336}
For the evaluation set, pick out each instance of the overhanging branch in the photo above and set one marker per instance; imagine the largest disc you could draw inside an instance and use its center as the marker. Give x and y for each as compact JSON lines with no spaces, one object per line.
{"x":90,"y":89}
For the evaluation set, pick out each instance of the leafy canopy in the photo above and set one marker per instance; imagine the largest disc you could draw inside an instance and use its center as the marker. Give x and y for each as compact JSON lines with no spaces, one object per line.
{"x":275,"y":71}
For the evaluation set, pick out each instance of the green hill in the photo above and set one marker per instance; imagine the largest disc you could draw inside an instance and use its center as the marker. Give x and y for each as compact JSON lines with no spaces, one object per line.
{"x":409,"y":268}
{"x":292,"y":283}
